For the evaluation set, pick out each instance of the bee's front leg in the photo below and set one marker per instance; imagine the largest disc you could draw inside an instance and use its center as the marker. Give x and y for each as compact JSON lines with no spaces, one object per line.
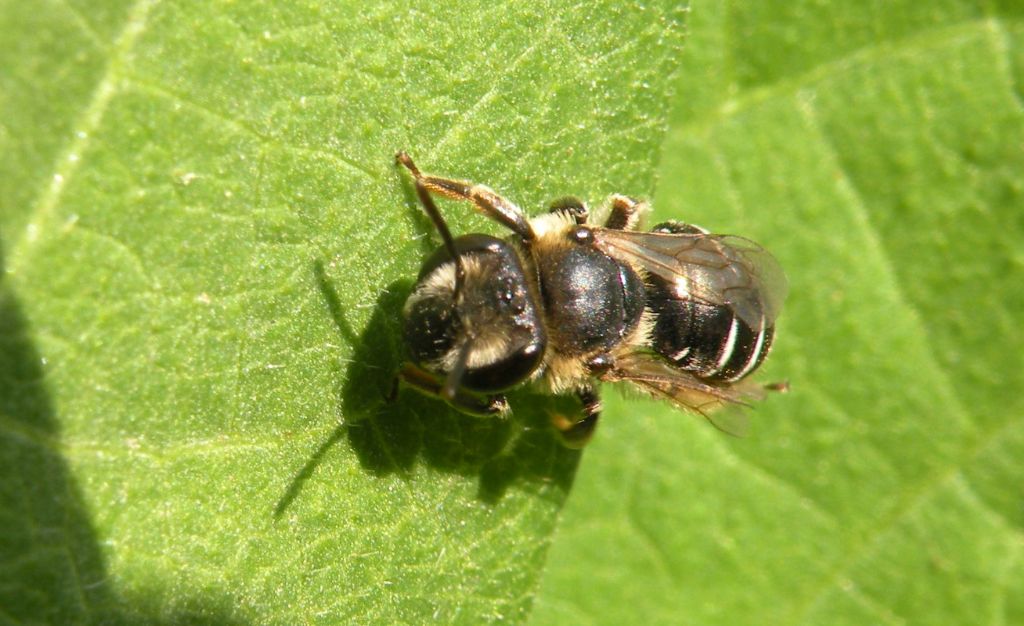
{"x":577,"y":434}
{"x":482,"y":197}
{"x":429,"y":385}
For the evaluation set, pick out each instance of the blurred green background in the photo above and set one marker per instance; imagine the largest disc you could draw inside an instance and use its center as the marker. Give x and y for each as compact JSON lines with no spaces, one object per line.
{"x":204,"y":249}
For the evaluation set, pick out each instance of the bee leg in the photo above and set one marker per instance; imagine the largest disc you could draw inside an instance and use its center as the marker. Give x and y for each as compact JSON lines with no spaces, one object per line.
{"x":470,"y":403}
{"x":577,"y":434}
{"x":573,"y":206}
{"x":483,"y":198}
{"x":625,"y":213}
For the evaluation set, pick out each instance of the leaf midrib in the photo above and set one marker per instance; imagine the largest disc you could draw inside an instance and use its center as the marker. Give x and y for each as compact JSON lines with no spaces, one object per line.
{"x":69,"y":159}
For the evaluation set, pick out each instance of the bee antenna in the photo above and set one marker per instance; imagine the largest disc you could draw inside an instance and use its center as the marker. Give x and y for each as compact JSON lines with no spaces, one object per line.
{"x":435,"y":216}
{"x":454,"y":379}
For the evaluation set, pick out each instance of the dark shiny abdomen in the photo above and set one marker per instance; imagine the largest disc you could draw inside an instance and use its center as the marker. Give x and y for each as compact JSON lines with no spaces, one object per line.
{"x":695,"y":336}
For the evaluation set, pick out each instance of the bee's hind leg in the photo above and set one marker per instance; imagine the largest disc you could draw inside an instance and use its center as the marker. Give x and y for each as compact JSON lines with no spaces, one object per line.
{"x":573,"y":206}
{"x":577,"y":434}
{"x":625,"y":212}
{"x":674,"y":227}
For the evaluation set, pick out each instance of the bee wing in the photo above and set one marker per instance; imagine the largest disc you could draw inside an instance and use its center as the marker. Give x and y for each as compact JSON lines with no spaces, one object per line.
{"x":719,"y":405}
{"x":718,"y":269}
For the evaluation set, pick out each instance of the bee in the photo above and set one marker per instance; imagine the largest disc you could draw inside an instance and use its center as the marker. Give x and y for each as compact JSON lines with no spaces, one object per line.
{"x":565,"y":303}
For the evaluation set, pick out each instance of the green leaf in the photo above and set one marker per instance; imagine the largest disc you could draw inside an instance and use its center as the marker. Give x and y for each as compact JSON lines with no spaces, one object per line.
{"x":876,"y":149}
{"x":205,"y":250}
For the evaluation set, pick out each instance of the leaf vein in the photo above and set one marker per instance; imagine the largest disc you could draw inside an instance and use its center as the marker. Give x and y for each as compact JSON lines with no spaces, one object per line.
{"x":158,"y":91}
{"x":789,"y":85}
{"x":876,"y":244}
{"x":134,"y":256}
{"x":913,"y":498}
{"x":881,"y":611}
{"x":782,"y":483}
{"x":660,"y":560}
{"x":488,"y":96}
{"x":83,"y":25}
{"x":68,"y":161}
{"x":1001,"y":43}
{"x":971,"y":493}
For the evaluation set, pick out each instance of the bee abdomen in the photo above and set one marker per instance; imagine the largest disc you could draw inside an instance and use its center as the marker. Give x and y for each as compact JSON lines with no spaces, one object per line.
{"x":709,"y":340}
